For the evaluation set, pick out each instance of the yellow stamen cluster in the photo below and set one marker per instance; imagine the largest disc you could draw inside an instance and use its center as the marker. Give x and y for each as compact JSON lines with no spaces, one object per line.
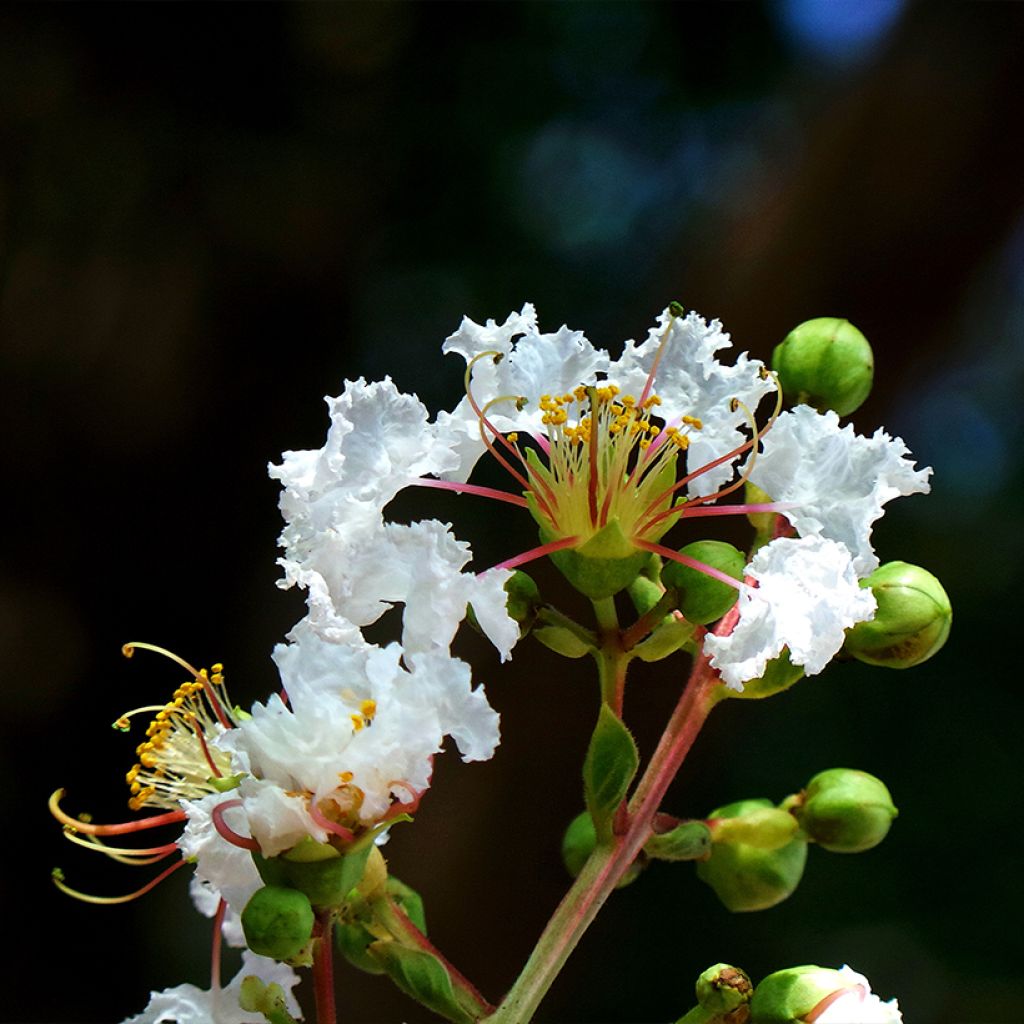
{"x":364,"y":716}
{"x":175,"y":760}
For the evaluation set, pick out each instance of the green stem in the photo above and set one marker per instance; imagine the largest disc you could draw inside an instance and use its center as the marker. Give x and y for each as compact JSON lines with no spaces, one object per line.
{"x":609,"y":862}
{"x":612,"y":661}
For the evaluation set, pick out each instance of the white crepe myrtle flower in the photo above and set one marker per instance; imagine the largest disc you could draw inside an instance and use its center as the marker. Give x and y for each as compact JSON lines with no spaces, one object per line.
{"x":806,"y":596}
{"x":353,"y":742}
{"x":337,"y":546}
{"x":834,"y":481}
{"x":188,"y":1004}
{"x":857,"y":1004}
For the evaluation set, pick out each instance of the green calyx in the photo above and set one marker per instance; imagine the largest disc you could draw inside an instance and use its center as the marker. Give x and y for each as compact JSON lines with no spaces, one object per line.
{"x":825,"y":363}
{"x":278,"y":922}
{"x":912,"y":621}
{"x":724,"y":988}
{"x":319,"y":871}
{"x":845,"y":811}
{"x":789,"y":996}
{"x":703,"y":599}
{"x":746,"y":877}
{"x":602,"y":566}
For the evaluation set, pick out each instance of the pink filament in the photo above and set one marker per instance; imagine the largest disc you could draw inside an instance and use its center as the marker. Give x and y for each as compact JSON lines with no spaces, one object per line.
{"x":227,"y":833}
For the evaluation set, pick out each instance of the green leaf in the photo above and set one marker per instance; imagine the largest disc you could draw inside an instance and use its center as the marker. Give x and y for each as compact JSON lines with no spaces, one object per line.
{"x":610,"y":765}
{"x":409,"y":900}
{"x":421,"y":977}
{"x":562,"y":641}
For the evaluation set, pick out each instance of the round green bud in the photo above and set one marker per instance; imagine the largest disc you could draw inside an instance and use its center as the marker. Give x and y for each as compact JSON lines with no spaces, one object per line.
{"x":912,"y":621}
{"x":703,"y":599}
{"x":578,"y":844}
{"x":277,"y":922}
{"x":723,"y":988}
{"x":826,"y":363}
{"x":845,"y":811}
{"x":746,"y":877}
{"x":789,"y":996}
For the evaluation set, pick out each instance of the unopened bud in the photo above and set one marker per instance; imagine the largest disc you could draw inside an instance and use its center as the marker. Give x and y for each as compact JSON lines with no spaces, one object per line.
{"x":825,"y":363}
{"x":723,"y":988}
{"x":912,"y":621}
{"x":747,"y":877}
{"x":819,"y":995}
{"x":845,"y":811}
{"x":278,"y":922}
{"x":702,"y":598}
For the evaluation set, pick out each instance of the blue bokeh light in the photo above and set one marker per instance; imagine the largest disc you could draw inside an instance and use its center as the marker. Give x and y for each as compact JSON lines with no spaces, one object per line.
{"x":838,"y":30}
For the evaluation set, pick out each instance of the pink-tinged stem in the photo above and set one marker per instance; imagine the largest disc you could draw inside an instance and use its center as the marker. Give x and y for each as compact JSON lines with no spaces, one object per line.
{"x":397,"y":921}
{"x":535,"y":553}
{"x":608,"y":863}
{"x":483,"y":492}
{"x":323,"y":970}
{"x":675,"y":556}
{"x":218,"y":923}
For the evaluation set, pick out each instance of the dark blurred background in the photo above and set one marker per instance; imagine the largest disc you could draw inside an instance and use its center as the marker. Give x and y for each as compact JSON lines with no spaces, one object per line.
{"x":210,"y":216}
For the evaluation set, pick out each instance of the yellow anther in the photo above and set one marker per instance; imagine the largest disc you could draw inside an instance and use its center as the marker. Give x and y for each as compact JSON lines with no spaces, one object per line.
{"x":217,"y":669}
{"x":693,"y":421}
{"x":358,"y":722}
{"x":652,"y":401}
{"x":580,"y":392}
{"x":345,"y":777}
{"x":368,"y":708}
{"x":122,"y":724}
{"x":513,"y":437}
{"x":628,"y":400}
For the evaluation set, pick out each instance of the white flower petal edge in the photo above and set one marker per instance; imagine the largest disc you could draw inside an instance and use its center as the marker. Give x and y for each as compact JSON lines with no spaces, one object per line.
{"x":353,"y":579}
{"x":859,"y":1005}
{"x":807,"y":596}
{"x":838,"y":480}
{"x":206,"y":899}
{"x":360,"y":729}
{"x":187,"y":1004}
{"x":692,"y":382}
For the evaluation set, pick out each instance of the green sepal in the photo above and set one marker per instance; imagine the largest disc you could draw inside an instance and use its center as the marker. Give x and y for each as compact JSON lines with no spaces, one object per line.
{"x":767,"y":828}
{"x":278,"y":922}
{"x":409,"y":900}
{"x":669,"y":636}
{"x":644,"y":593}
{"x":689,"y":840}
{"x":745,"y":877}
{"x":353,"y":941}
{"x":607,"y":563}
{"x":256,"y":996}
{"x":226,"y":783}
{"x":421,"y":977}
{"x":611,"y":762}
{"x":779,"y":674}
{"x":562,"y":641}
{"x":703,"y":599}
{"x":325,"y":882}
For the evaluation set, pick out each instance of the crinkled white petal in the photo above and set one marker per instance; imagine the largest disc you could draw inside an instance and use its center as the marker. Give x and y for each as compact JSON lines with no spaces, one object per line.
{"x":838,"y":480}
{"x":354,"y":577}
{"x":227,"y":868}
{"x":188,"y":1004}
{"x":378,"y":442}
{"x":690,"y":381}
{"x":807,"y":596}
{"x":860,"y":1005}
{"x":315,"y":745}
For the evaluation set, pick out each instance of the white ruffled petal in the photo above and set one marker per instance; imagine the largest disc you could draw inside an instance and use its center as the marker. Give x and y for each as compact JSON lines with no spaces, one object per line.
{"x":807,"y":596}
{"x":837,"y":480}
{"x":860,"y":1005}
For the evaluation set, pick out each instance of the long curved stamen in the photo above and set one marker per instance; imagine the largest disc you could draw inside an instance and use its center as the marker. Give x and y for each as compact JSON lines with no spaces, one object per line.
{"x":676,"y":311}
{"x":692,"y":563}
{"x":483,"y":492}
{"x":77,"y":825}
{"x":535,"y":553}
{"x":122,"y":854}
{"x":197,"y":729}
{"x":57,"y":876}
{"x":332,"y":826}
{"x":226,"y":832}
{"x":592,"y":455}
{"x":483,"y":422}
{"x":738,"y":510}
{"x":129,"y":649}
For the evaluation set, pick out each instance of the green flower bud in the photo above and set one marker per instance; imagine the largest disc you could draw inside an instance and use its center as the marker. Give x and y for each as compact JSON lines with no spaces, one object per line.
{"x":278,"y":922}
{"x":826,"y":363}
{"x":723,"y":988}
{"x":578,"y":844}
{"x":747,"y":877}
{"x":912,"y":621}
{"x":801,"y":995}
{"x":779,"y":674}
{"x":703,"y":599}
{"x":845,"y":811}
{"x":689,"y":840}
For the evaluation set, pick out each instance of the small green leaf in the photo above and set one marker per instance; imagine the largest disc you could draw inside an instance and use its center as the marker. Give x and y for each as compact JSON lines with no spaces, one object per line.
{"x":409,"y":900}
{"x":610,"y":765}
{"x":422,"y":977}
{"x":562,"y":641}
